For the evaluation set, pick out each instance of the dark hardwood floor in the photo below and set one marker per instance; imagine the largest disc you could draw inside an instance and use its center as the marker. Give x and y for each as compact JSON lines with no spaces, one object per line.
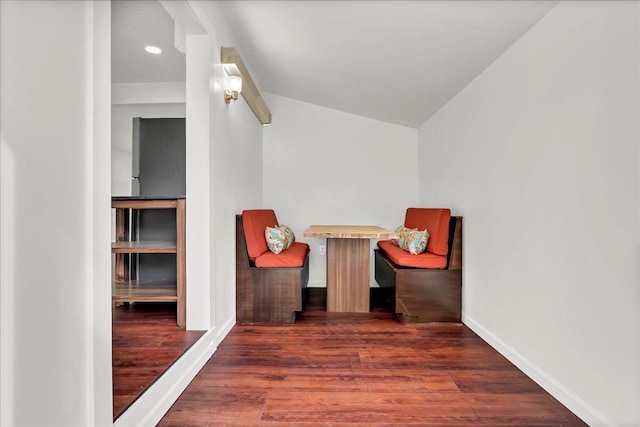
{"x":332,"y":369}
{"x":146,"y":341}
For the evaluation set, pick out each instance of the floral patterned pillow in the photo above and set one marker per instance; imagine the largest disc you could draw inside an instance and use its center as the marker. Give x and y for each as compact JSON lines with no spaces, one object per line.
{"x":289,"y":234}
{"x":402,"y":236}
{"x":416,"y":241}
{"x":279,"y":238}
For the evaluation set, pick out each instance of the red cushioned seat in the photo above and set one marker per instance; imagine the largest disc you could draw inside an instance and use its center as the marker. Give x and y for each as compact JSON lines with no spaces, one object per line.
{"x":293,"y":256}
{"x":405,"y":259}
{"x":254,"y":222}
{"x":436,"y":222}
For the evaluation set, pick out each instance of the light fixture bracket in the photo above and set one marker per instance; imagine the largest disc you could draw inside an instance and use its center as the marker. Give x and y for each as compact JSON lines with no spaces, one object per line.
{"x":230,"y":95}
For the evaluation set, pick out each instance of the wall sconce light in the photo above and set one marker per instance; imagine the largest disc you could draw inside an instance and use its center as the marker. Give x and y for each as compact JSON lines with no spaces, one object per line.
{"x":234,"y":87}
{"x":234,"y":66}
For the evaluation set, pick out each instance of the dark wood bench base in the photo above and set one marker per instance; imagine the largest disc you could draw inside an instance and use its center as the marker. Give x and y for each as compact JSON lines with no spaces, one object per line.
{"x":423,"y":295}
{"x":266,"y":295}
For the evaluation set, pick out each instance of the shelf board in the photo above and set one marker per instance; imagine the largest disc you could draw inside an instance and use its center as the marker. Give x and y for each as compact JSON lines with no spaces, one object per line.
{"x":143,"y":203}
{"x":144,"y":291}
{"x":147,"y":247}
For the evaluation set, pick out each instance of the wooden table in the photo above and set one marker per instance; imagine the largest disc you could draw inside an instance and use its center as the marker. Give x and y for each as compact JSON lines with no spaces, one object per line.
{"x":348,"y":253}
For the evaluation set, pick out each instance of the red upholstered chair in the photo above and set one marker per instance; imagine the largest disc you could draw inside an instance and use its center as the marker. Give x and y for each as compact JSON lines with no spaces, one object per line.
{"x":268,"y":286}
{"x":426,"y":287}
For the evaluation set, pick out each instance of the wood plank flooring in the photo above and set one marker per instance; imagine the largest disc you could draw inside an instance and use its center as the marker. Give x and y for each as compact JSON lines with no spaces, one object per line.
{"x":146,"y":341}
{"x":361,"y":369}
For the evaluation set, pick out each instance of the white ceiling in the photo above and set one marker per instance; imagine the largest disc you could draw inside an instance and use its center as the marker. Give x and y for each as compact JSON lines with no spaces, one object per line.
{"x":395,"y":61}
{"x":134,"y":25}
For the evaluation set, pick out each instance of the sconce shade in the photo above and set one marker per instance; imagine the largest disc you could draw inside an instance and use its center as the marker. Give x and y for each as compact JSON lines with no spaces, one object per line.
{"x":234,"y":83}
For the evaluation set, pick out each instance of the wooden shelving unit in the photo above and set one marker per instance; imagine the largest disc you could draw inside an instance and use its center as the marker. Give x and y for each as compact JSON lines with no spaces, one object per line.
{"x":125,"y":288}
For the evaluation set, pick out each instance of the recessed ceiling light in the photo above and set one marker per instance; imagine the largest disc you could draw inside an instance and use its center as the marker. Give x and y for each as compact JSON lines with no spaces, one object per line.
{"x":153,"y":49}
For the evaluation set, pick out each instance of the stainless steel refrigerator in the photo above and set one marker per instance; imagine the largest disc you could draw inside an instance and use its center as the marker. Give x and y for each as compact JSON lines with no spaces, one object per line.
{"x":159,"y":171}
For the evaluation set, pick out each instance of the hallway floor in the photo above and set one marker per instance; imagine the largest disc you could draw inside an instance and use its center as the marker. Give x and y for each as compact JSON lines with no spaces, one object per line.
{"x":146,"y":341}
{"x":361,"y":369}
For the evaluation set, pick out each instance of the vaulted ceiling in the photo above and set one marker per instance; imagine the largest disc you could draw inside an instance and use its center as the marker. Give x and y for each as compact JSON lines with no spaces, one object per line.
{"x":395,"y":61}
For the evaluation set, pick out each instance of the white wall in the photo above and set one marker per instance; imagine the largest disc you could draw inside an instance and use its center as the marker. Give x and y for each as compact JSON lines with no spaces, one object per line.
{"x":148,"y":93}
{"x":198,"y":186}
{"x":323,"y":166}
{"x":55,"y":359}
{"x":236,"y":157}
{"x":236,"y":173}
{"x":540,"y":154}
{"x":122,"y":137}
{"x":101,"y":307}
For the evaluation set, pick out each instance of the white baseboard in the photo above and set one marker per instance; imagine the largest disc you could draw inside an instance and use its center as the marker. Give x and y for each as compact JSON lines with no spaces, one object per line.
{"x":151,"y":406}
{"x":225,"y":329}
{"x":575,"y":404}
{"x":317,"y":284}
